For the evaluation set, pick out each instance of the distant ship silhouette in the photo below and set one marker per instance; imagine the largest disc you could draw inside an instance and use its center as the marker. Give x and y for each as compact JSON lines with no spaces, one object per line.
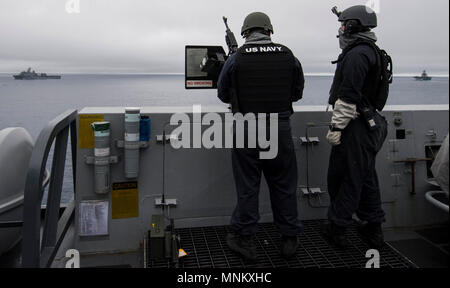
{"x":32,"y":75}
{"x":423,"y":77}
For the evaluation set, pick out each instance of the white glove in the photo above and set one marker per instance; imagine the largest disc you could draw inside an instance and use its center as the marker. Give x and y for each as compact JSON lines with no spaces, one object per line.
{"x":343,"y":113}
{"x":334,"y":137}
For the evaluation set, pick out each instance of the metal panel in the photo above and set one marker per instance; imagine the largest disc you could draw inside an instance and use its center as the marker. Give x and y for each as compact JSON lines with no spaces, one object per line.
{"x":201,"y":180}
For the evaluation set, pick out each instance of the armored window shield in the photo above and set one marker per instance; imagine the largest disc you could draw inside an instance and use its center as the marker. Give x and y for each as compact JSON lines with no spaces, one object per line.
{"x":202,"y":66}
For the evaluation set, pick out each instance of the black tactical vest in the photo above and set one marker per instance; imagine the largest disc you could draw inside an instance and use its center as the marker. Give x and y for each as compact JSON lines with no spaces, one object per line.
{"x":263,"y":79}
{"x":370,"y":84}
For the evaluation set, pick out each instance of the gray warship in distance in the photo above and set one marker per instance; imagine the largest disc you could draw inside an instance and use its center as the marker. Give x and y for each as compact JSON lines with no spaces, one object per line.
{"x":32,"y":75}
{"x":423,"y":77}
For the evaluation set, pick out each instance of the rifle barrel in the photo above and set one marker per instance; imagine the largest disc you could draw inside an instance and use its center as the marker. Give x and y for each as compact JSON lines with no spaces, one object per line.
{"x":225,"y":21}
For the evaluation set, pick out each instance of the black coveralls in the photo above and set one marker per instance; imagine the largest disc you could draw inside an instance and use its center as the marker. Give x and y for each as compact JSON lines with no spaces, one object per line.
{"x":281,"y":177}
{"x":352,"y":179}
{"x":280,"y":172}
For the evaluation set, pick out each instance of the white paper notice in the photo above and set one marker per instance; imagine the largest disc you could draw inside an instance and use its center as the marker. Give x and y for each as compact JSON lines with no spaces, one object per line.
{"x":93,"y":218}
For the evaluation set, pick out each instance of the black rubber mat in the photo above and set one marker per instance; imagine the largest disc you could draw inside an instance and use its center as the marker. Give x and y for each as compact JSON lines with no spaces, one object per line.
{"x":438,"y":236}
{"x":423,"y":253}
{"x":207,"y":248}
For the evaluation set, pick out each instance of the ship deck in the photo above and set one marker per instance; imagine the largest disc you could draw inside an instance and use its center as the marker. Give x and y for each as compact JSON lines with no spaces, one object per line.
{"x":423,"y":247}
{"x":206,"y":248}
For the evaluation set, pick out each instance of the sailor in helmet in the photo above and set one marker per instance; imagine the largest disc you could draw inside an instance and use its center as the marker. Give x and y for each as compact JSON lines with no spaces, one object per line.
{"x":263,"y":77}
{"x":357,"y":130}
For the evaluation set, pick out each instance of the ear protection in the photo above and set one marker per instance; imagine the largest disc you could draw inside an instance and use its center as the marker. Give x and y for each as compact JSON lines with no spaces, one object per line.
{"x":353,"y":26}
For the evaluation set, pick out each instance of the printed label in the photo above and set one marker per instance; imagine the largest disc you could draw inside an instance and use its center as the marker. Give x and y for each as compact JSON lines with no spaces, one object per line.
{"x":103,"y":133}
{"x":101,"y":152}
{"x":85,"y":133}
{"x":93,"y":219}
{"x":202,"y":83}
{"x":131,"y":137}
{"x":125,"y":200}
{"x":132,"y":117}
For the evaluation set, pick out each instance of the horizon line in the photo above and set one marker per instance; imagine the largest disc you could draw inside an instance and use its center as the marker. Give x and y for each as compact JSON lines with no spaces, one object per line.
{"x":443,"y":75}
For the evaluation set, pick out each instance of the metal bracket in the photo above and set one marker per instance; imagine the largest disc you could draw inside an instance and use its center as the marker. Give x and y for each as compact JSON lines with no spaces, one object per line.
{"x":309,"y":140}
{"x":167,"y":202}
{"x":311,"y":191}
{"x":92,"y":160}
{"x":432,"y":134}
{"x":131,"y":145}
{"x":159,"y":138}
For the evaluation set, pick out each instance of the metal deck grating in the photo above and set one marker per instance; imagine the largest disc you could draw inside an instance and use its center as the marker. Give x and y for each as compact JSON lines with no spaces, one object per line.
{"x":207,"y":248}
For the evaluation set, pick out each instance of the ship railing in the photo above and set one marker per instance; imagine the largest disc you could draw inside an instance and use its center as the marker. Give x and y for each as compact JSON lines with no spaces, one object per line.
{"x":40,"y":250}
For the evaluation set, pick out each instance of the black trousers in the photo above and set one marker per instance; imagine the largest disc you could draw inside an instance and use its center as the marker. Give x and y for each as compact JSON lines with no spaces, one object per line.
{"x":281,"y":177}
{"x":352,"y":179}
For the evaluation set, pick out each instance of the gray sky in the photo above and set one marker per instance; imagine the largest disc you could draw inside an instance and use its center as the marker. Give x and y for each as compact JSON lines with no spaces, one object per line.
{"x":148,"y":36}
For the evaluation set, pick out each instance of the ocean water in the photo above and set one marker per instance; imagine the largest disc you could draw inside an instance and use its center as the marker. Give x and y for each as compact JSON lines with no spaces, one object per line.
{"x":32,"y":104}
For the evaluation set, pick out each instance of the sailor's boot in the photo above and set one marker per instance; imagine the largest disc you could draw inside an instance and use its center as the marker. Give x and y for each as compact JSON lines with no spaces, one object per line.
{"x":244,"y":245}
{"x":372,"y":234}
{"x":289,"y":245}
{"x":336,"y":235}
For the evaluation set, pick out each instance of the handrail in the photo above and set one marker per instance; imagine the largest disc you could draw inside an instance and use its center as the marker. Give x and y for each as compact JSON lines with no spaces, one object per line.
{"x":429,"y":196}
{"x":35,"y":253}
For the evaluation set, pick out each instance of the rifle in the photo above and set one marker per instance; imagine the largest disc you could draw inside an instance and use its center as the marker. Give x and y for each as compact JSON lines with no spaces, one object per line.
{"x":230,"y":39}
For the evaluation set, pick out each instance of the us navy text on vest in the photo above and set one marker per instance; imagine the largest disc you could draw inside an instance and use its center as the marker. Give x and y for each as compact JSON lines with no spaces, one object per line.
{"x":264,"y":49}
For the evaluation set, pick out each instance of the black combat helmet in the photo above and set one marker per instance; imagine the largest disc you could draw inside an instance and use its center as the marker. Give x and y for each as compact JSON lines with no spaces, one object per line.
{"x":256,"y":20}
{"x":365,"y":15}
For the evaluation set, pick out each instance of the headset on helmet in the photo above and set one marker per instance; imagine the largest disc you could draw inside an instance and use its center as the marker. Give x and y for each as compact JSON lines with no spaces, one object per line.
{"x":357,"y":18}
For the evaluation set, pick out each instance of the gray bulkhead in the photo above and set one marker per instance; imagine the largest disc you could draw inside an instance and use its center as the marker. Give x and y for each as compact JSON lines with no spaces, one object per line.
{"x":202,"y":183}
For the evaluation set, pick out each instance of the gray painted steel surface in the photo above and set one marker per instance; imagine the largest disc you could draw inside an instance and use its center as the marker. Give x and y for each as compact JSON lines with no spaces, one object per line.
{"x":202,"y":183}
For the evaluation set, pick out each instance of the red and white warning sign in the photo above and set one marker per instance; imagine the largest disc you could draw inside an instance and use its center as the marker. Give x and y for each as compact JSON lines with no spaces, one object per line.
{"x":199,"y":83}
